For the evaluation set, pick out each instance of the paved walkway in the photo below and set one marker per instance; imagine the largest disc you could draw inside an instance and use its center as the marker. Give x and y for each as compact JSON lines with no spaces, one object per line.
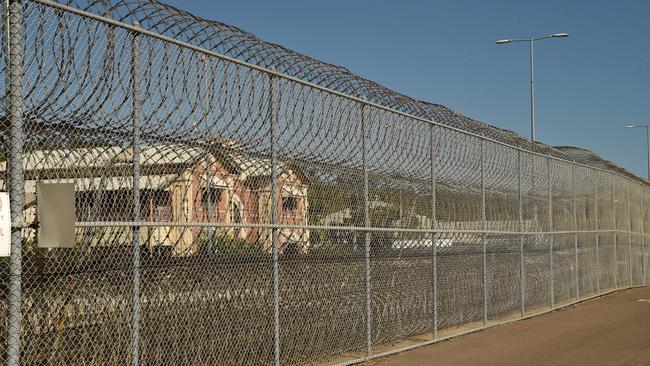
{"x":611,"y":330}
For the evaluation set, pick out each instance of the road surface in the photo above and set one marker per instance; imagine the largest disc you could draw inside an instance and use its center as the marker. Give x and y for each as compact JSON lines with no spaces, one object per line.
{"x":610,"y":330}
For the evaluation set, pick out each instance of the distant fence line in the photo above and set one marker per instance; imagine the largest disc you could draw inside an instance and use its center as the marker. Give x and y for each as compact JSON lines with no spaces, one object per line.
{"x":237,"y":205}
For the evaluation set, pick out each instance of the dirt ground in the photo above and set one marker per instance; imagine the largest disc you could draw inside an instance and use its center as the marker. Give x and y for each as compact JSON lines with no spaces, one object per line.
{"x":610,"y":330}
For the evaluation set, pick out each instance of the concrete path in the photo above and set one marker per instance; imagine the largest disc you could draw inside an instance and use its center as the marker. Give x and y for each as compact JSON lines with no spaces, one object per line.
{"x":610,"y":330}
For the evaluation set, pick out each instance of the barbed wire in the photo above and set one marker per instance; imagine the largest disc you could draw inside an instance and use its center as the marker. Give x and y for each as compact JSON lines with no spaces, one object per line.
{"x":239,"y":203}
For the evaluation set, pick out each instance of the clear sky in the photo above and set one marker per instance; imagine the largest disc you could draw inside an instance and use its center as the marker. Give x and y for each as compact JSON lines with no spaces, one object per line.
{"x":588,"y":86}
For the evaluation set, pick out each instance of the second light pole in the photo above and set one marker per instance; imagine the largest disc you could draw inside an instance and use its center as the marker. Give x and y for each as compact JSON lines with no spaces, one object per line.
{"x":531,"y":42}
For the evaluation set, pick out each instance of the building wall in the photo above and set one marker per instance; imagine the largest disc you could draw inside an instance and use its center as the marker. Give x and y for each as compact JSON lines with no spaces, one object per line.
{"x":183,"y":202}
{"x":253,"y":199}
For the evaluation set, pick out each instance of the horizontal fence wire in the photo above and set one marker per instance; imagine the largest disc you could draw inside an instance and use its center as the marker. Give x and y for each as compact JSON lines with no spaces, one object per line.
{"x":238,"y":203}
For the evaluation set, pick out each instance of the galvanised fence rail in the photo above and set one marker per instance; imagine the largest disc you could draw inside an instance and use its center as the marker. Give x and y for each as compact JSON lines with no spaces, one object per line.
{"x":239,"y":203}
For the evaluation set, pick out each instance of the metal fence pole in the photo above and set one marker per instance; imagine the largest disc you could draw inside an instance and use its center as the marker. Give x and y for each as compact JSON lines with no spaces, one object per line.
{"x":14,"y":106}
{"x":550,"y":228}
{"x":629,"y":237}
{"x":366,"y":215}
{"x":483,"y":236}
{"x":597,"y":236}
{"x":644,"y":207}
{"x":208,"y":160}
{"x":522,"y":280}
{"x":434,"y":237}
{"x":274,"y":219}
{"x":137,"y":115}
{"x":575,"y":227}
{"x":615,"y":234}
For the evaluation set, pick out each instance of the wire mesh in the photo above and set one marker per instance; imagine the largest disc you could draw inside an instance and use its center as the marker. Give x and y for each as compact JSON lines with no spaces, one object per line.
{"x":239,"y":203}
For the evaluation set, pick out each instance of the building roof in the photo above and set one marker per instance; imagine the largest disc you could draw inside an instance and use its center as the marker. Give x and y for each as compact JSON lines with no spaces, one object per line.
{"x":73,"y":165}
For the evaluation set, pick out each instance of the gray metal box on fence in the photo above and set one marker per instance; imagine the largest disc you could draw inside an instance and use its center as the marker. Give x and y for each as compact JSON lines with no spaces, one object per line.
{"x":56,"y":215}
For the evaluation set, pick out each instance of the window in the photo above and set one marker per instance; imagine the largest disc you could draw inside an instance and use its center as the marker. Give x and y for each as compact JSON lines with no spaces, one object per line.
{"x":236,"y":217}
{"x":162,"y":214}
{"x":210,"y":199}
{"x":289,"y":203}
{"x":235,"y":213}
{"x":83,"y":206}
{"x":159,"y":203}
{"x":104,"y":205}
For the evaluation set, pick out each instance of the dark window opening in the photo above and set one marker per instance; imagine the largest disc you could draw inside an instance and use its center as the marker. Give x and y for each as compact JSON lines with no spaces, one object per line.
{"x":210,"y":198}
{"x":289,"y":203}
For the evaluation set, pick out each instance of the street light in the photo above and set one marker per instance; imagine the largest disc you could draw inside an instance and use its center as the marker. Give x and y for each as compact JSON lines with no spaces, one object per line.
{"x":531,"y":41}
{"x":647,"y":136}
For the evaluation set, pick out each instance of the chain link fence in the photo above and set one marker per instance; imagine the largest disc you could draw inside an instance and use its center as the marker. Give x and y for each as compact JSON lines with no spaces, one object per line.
{"x":239,"y":203}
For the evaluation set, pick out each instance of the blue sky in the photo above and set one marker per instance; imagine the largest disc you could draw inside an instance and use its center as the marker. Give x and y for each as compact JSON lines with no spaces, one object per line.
{"x":588,"y":86}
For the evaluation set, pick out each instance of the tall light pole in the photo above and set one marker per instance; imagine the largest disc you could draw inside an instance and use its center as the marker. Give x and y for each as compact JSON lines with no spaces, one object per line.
{"x":531,"y":42}
{"x":647,"y":136}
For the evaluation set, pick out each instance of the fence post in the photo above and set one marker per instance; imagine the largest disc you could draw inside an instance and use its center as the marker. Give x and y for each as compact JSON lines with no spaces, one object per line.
{"x":550,"y":228}
{"x":434,"y":237}
{"x":629,"y":237}
{"x":366,"y":216}
{"x":14,"y":106}
{"x":520,"y":199}
{"x":644,"y":207}
{"x":597,"y":234}
{"x":274,"y":219}
{"x":575,"y":227}
{"x":483,"y":236}
{"x":615,"y":235}
{"x":135,"y":234}
{"x":208,"y":159}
